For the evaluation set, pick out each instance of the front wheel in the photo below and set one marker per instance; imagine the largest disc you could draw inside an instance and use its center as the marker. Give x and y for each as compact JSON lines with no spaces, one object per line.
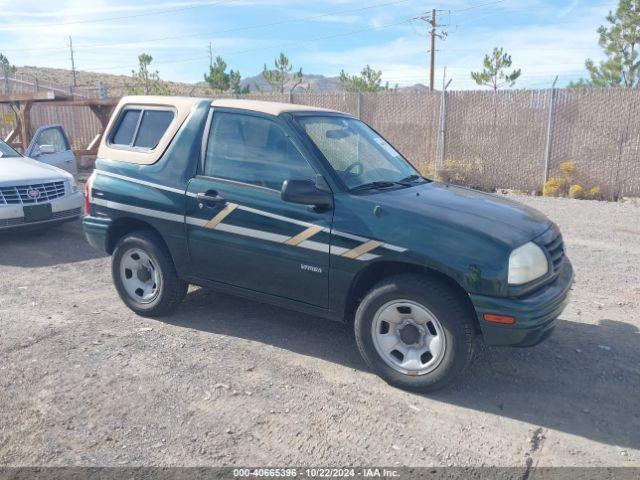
{"x":415,"y":332}
{"x":144,"y":275}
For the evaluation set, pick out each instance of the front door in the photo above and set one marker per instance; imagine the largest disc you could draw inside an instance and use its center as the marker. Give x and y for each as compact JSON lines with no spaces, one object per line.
{"x":58,"y":150}
{"x":240,"y":231}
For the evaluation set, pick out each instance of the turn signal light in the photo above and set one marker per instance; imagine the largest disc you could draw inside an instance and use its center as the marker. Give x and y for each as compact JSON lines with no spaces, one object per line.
{"x":489,"y":317}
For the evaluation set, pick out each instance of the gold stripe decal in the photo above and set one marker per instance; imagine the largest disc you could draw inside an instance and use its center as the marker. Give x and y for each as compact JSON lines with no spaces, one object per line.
{"x":213,"y":223}
{"x":362,"y":249}
{"x":304,"y":235}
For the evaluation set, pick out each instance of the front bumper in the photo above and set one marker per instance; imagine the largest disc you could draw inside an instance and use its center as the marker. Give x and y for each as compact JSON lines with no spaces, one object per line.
{"x":64,"y":209}
{"x":535,"y":314}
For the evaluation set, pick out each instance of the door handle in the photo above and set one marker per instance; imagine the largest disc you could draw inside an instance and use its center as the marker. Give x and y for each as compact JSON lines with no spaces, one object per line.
{"x":209,"y":198}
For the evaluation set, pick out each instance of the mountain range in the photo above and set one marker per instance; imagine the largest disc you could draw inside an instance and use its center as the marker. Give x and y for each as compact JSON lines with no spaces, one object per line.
{"x":117,"y":84}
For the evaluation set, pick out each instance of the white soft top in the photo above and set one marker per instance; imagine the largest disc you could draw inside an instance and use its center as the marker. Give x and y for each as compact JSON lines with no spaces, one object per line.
{"x":271,"y":108}
{"x":182,"y":107}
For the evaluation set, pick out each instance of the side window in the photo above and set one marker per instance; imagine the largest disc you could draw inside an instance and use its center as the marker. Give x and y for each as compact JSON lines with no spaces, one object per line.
{"x":53,"y":136}
{"x":141,"y":128}
{"x":253,"y":150}
{"x":152,"y":126}
{"x":126,"y":128}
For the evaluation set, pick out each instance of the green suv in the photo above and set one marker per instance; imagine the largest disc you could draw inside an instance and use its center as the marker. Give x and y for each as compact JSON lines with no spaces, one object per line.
{"x":312,"y":210}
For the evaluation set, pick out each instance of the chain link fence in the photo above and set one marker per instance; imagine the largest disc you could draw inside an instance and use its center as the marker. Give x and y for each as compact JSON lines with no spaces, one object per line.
{"x":509,"y":139}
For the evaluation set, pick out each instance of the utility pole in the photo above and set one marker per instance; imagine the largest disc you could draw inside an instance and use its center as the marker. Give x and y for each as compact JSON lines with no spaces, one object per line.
{"x":210,"y":56}
{"x":433,"y":34}
{"x":73,"y":62}
{"x":432,"y":66}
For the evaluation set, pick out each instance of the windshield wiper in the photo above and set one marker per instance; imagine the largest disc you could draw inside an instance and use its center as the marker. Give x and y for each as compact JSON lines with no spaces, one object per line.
{"x":410,"y":178}
{"x":373,"y":186}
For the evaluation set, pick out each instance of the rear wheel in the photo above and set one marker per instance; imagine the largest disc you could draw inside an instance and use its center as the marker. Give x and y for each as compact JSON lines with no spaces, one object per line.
{"x":144,"y":275}
{"x":415,"y":332}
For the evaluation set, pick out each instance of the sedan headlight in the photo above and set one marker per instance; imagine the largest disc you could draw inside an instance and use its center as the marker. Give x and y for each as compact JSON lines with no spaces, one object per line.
{"x":73,"y":185}
{"x":527,"y":263}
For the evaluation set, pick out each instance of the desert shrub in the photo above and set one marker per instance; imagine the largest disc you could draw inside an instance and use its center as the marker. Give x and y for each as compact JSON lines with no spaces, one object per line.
{"x":563,"y":185}
{"x":460,"y":172}
{"x":568,"y":168}
{"x":576,"y":191}
{"x":555,"y":187}
{"x":594,"y":193}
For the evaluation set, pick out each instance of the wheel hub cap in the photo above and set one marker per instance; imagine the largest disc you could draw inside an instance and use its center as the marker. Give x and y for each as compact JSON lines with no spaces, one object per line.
{"x":144,"y":274}
{"x":408,"y":337}
{"x":410,"y":334}
{"x":140,"y":275}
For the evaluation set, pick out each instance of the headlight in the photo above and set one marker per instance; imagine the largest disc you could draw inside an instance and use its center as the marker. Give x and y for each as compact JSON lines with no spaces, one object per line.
{"x":527,"y":263}
{"x":73,"y":186}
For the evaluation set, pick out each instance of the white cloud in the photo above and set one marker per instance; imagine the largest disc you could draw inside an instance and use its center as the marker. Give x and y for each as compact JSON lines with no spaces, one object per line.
{"x":558,"y":44}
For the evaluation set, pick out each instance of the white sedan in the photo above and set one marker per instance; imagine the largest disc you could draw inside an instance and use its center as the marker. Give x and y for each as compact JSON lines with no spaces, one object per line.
{"x":33,"y":193}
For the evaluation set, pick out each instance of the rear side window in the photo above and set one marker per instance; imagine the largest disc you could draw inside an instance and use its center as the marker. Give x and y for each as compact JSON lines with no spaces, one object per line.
{"x":152,"y":127}
{"x":127,"y":128}
{"x":141,"y":128}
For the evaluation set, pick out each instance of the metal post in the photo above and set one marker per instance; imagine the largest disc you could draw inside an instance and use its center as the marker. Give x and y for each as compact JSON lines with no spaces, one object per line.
{"x":547,"y":152}
{"x":5,"y":74}
{"x":102,"y":90}
{"x":359,"y":106}
{"x":443,"y":125}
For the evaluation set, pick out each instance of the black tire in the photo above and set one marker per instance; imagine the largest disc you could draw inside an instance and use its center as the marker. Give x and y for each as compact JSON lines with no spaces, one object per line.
{"x":451,"y":311}
{"x":171,"y":291}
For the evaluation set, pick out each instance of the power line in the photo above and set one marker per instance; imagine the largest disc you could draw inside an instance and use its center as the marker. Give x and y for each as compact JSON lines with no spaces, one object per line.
{"x":269,"y":47}
{"x":472,"y":7}
{"x":216,"y":32}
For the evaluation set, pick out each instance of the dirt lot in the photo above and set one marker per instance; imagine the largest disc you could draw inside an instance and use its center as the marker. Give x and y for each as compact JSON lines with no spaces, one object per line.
{"x":227,"y":381}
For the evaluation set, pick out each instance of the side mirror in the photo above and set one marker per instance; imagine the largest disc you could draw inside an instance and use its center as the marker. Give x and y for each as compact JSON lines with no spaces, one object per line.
{"x":305,"y":192}
{"x":43,"y":150}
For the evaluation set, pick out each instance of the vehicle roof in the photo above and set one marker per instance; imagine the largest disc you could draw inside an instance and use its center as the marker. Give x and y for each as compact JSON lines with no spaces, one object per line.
{"x":182,"y":107}
{"x":271,"y":108}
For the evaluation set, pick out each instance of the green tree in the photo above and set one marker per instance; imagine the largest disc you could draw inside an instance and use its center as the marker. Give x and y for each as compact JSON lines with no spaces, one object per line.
{"x":218,"y":78}
{"x":369,"y":80}
{"x":220,"y":81}
{"x":620,"y":40}
{"x":235,"y":83}
{"x":146,"y":82}
{"x":6,"y":65}
{"x":281,"y":76}
{"x":494,"y":73}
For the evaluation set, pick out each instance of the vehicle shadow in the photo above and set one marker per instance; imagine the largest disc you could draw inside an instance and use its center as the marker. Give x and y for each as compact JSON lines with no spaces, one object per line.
{"x":584,"y":380}
{"x":49,"y":246}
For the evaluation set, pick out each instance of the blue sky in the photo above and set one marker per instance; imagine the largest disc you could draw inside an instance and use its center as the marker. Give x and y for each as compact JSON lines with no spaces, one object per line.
{"x":545,"y":38}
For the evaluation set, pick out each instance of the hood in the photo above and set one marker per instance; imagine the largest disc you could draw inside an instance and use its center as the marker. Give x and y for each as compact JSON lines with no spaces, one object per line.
{"x":23,"y":170}
{"x":501,"y":219}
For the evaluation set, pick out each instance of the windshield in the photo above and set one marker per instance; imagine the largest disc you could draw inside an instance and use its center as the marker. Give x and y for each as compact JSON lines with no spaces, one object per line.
{"x":7,"y":151}
{"x":359,"y":155}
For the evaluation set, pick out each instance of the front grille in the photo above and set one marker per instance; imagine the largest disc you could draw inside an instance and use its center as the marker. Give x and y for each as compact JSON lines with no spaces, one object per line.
{"x":555,"y":249}
{"x":20,"y":194}
{"x":74,"y":212}
{"x":16,"y":222}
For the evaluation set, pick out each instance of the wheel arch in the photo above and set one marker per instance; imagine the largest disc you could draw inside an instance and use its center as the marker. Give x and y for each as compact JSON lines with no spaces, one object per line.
{"x":124,"y":225}
{"x":378,"y":271}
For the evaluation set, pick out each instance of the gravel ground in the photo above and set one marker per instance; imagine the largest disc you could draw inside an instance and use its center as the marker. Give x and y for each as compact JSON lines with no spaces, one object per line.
{"x":226,"y":381}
